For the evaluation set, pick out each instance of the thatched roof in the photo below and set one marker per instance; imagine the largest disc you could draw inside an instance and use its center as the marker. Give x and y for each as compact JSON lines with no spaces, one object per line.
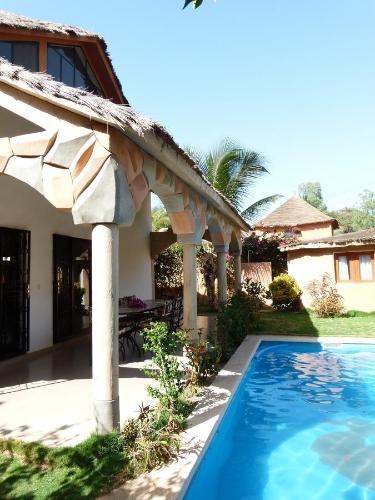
{"x":294,"y":212}
{"x":16,"y":21}
{"x":120,"y":116}
{"x":364,"y":237}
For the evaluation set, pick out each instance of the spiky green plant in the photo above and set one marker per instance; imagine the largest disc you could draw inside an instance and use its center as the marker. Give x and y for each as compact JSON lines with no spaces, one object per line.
{"x":233,"y":171}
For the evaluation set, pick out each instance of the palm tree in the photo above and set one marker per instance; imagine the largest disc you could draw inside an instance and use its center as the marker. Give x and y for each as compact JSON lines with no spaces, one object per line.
{"x":160,"y":219}
{"x":232,"y":170}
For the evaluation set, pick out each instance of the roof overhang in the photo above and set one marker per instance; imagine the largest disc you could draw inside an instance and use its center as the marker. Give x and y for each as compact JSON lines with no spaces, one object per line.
{"x":324,"y":245}
{"x":148,"y":141}
{"x":151,"y":143}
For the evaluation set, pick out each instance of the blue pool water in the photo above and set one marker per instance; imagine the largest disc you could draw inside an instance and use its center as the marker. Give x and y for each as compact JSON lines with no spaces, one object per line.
{"x":301,"y":426}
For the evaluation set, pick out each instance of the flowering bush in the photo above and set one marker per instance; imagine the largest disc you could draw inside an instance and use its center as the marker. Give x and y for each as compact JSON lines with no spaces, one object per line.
{"x":285,"y":293}
{"x":265,"y":248}
{"x":326,"y":300}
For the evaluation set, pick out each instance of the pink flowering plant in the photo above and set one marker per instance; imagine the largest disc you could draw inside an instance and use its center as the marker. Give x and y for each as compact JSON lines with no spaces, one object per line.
{"x":266,"y":248}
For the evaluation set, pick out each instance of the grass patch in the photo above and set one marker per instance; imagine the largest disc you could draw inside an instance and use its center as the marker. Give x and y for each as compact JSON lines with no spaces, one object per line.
{"x":34,"y":471}
{"x":94,"y":467}
{"x":352,"y":324}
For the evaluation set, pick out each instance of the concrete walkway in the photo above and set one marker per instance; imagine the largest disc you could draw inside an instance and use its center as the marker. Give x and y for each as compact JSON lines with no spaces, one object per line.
{"x":47,"y":396}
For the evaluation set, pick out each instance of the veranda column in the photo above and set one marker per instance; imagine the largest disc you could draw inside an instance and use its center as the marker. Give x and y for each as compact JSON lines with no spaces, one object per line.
{"x":105,"y":360}
{"x":190,"y":286}
{"x":237,"y":271}
{"x":221,"y":252}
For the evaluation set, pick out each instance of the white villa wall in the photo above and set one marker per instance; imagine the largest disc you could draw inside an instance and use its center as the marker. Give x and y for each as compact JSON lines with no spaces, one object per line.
{"x":134,"y":256}
{"x":21,"y":207}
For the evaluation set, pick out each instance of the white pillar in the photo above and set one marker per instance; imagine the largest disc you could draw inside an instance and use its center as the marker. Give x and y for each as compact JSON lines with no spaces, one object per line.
{"x":221,"y":253}
{"x":237,"y":271}
{"x":190,"y":286}
{"x":105,"y":356}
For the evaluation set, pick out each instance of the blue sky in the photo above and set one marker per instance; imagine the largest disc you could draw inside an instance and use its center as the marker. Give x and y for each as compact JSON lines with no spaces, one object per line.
{"x":292,"y":79}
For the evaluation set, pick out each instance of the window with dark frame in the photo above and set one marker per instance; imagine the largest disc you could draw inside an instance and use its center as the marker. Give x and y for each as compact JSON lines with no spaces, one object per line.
{"x":24,"y":54}
{"x":68,"y":64}
{"x":354,"y":266}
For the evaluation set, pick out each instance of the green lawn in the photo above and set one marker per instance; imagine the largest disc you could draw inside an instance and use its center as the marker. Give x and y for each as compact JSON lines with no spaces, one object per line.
{"x":354,"y":324}
{"x":33,"y":471}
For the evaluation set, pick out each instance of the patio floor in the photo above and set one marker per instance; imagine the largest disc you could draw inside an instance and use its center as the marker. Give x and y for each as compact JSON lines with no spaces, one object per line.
{"x":47,"y":397}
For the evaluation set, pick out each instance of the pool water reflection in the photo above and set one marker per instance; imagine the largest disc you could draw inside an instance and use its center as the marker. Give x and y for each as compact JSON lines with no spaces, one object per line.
{"x":301,"y":426}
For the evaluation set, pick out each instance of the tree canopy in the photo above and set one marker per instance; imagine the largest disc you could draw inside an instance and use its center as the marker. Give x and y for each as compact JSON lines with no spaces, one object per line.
{"x":312,"y":193}
{"x":359,"y":217}
{"x":160,"y":219}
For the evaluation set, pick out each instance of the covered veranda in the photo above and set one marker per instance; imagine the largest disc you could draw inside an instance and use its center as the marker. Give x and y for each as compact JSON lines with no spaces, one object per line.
{"x":45,"y":396}
{"x":99,"y":161}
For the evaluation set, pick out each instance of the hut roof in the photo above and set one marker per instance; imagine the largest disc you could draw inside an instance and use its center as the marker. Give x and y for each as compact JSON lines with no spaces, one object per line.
{"x":294,"y":212}
{"x":17,"y":21}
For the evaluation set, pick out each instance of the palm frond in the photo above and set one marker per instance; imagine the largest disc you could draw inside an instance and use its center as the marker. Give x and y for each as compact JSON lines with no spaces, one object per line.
{"x":198,"y":157}
{"x":255,"y":210}
{"x":233,"y":170}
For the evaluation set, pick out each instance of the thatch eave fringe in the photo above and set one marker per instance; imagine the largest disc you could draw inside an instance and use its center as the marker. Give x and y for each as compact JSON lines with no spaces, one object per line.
{"x":121,"y":116}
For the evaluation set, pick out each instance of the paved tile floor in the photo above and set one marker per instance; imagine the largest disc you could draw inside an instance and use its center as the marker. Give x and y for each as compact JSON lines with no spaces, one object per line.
{"x":47,"y":397}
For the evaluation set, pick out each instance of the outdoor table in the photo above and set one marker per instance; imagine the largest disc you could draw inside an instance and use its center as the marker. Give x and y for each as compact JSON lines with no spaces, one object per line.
{"x":135,"y":317}
{"x":151,"y":305}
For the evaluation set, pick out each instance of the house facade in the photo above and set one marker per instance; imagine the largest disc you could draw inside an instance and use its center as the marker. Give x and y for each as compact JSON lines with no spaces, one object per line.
{"x":313,"y":250}
{"x":77,"y":166}
{"x":347,"y":258}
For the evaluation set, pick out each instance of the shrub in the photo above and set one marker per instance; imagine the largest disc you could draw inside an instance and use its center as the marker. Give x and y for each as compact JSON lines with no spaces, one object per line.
{"x":168,"y":268}
{"x":204,"y":359}
{"x":285,"y":293}
{"x":256,"y":292}
{"x":163,"y":345}
{"x":235,"y":320}
{"x":326,"y":300}
{"x":151,"y":439}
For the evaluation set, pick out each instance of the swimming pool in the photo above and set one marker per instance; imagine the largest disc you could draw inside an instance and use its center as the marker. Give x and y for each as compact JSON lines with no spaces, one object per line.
{"x":300,"y":426}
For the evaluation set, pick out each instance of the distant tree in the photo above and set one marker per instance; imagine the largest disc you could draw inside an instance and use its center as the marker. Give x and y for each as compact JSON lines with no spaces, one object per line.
{"x":366,"y":219}
{"x":346,"y":219}
{"x":359,"y":217}
{"x":312,"y":193}
{"x":160,"y":219}
{"x":233,"y":170}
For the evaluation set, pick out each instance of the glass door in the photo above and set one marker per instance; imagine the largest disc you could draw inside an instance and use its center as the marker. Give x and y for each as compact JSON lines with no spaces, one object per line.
{"x":14,"y":292}
{"x":72,"y":286}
